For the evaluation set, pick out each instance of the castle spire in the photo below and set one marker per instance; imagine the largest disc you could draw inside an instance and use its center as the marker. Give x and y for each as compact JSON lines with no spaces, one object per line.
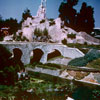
{"x":42,"y":9}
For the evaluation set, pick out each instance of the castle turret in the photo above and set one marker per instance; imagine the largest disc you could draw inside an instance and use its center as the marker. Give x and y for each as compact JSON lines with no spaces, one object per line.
{"x":42,"y":10}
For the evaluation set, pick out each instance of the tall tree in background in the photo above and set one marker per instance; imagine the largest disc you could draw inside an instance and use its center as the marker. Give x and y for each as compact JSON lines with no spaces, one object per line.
{"x":68,"y":13}
{"x":82,"y":21}
{"x":12,"y":24}
{"x":26,"y":14}
{"x":1,"y":21}
{"x":85,"y":19}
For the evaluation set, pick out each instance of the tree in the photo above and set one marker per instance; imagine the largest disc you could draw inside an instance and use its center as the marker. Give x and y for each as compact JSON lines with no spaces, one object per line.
{"x":1,"y":21}
{"x":82,"y":21}
{"x":68,"y":13}
{"x":85,"y":19}
{"x":45,"y":31}
{"x":12,"y":24}
{"x":26,"y":14}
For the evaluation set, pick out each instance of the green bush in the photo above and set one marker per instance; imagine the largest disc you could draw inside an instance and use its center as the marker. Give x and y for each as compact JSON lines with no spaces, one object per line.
{"x":53,"y":65}
{"x":82,"y":61}
{"x":4,"y":56}
{"x":78,"y":45}
{"x":94,"y":64}
{"x":7,"y":73}
{"x":1,"y":38}
{"x":64,"y":41}
{"x":51,"y":19}
{"x":42,"y":21}
{"x":85,"y":51}
{"x":51,"y":23}
{"x":72,"y":36}
{"x":37,"y":32}
{"x":45,"y":32}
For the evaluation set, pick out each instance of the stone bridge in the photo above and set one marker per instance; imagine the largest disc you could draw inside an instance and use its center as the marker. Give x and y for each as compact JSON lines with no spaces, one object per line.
{"x":46,"y":48}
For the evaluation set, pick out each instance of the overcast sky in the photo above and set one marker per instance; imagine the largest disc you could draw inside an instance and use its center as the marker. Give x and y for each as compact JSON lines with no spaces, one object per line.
{"x":15,"y":8}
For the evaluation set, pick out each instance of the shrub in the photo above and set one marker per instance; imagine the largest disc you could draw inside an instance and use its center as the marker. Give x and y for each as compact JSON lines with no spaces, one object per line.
{"x":27,"y":26}
{"x":85,"y":43}
{"x":85,"y":51}
{"x":53,"y":65}
{"x":64,"y":41}
{"x":37,"y":32}
{"x":94,"y":64}
{"x":45,"y":32}
{"x":51,"y":23}
{"x":72,"y":36}
{"x":51,"y":19}
{"x":78,"y":62}
{"x":82,"y":61}
{"x":24,"y":39}
{"x":42,"y":21}
{"x":4,"y":56}
{"x":1,"y":38}
{"x":7,"y":73}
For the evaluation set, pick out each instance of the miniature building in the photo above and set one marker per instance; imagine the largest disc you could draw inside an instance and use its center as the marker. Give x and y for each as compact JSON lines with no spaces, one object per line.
{"x":42,"y":10}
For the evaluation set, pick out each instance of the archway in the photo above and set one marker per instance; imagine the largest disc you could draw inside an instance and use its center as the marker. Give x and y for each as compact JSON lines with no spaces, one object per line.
{"x":16,"y":59}
{"x":37,"y":54}
{"x":17,"y":53}
{"x":53,"y":54}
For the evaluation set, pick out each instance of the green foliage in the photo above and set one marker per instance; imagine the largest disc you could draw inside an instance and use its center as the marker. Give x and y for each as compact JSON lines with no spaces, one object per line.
{"x":72,"y":36}
{"x":1,"y":38}
{"x":96,"y":94}
{"x":78,"y":45}
{"x":94,"y":64}
{"x":51,"y":66}
{"x":78,"y":62}
{"x":82,"y":61}
{"x":45,"y":32}
{"x":75,"y":19}
{"x":8,"y":71}
{"x":4,"y":56}
{"x":83,"y":93}
{"x":51,"y":23}
{"x":85,"y":43}
{"x":84,"y":50}
{"x":42,"y":21}
{"x":64,"y":41}
{"x":87,"y":23}
{"x":38,"y":32}
{"x":26,"y":14}
{"x":19,"y":37}
{"x":11,"y":23}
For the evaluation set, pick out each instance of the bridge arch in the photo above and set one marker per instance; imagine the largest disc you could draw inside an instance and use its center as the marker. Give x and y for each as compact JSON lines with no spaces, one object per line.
{"x":54,"y":53}
{"x":17,"y":52}
{"x":36,"y":55}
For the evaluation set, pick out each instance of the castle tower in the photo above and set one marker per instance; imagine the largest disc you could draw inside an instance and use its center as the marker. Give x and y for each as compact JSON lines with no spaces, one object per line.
{"x":42,"y":10}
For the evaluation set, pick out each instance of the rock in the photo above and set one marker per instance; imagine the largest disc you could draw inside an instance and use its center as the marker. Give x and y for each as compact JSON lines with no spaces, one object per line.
{"x":78,"y":74}
{"x":56,"y":31}
{"x":8,"y":38}
{"x":90,"y":78}
{"x":64,"y":74}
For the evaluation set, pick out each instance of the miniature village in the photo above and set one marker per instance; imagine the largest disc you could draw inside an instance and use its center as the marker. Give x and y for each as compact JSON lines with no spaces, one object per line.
{"x":49,"y":61}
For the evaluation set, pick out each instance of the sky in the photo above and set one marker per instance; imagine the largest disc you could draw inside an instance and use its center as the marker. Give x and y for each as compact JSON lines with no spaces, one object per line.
{"x":15,"y":8}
